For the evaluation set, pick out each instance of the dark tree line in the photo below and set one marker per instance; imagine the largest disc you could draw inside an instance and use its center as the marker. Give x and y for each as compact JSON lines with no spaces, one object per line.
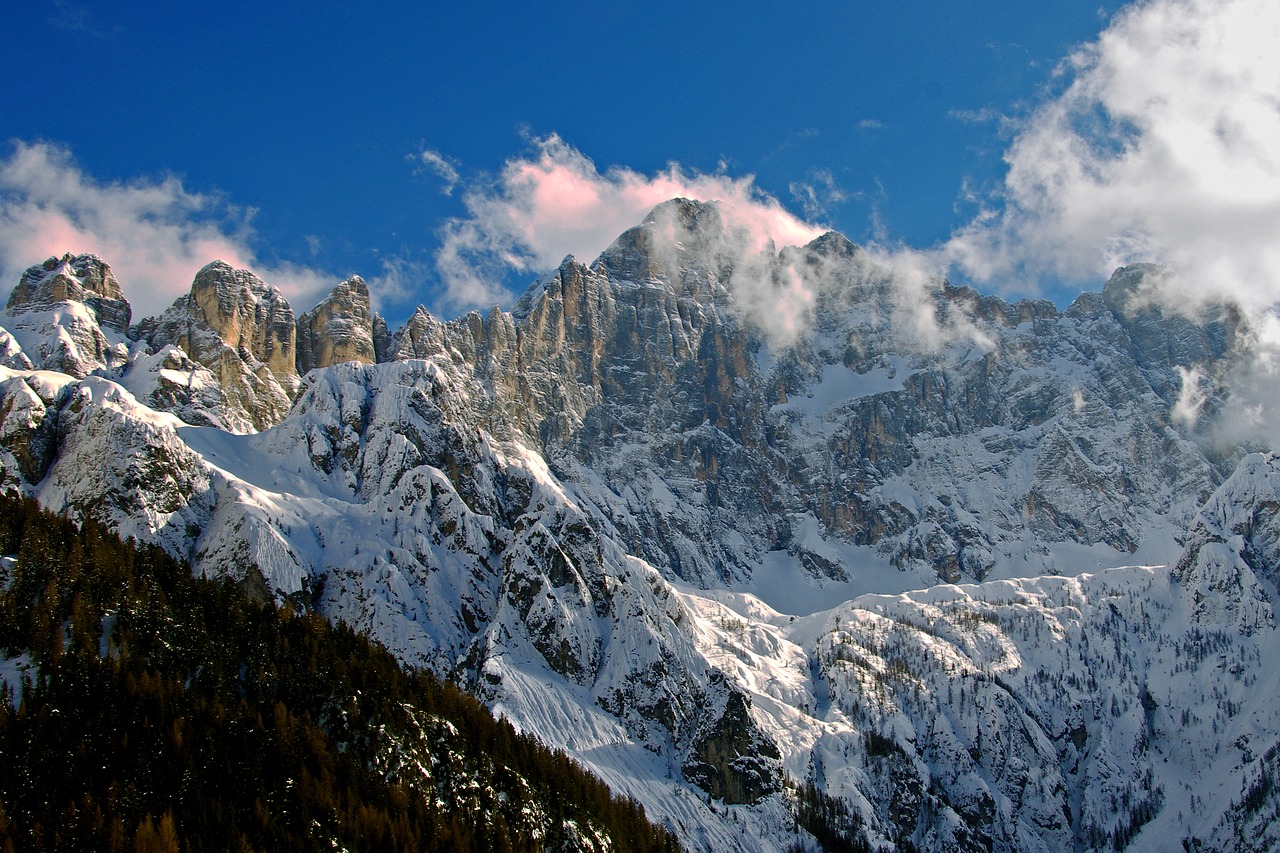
{"x":831,"y":822}
{"x":163,"y":712}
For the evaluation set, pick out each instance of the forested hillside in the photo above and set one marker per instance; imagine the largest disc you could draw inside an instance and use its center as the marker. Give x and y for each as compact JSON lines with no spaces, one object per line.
{"x":150,"y":710}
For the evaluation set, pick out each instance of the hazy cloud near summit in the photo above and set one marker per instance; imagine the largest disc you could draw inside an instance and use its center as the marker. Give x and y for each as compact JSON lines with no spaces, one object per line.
{"x":1163,"y":145}
{"x":154,"y":233}
{"x":554,"y":201}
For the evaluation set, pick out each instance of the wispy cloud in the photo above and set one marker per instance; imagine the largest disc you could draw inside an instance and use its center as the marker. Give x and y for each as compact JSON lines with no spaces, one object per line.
{"x":818,"y":194}
{"x":555,"y":201}
{"x":982,"y":116}
{"x":442,"y":167}
{"x":154,"y":233}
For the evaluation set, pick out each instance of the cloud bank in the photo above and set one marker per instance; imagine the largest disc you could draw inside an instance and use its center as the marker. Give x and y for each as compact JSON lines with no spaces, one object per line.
{"x":154,"y":233}
{"x":555,"y":201}
{"x":1163,"y":145}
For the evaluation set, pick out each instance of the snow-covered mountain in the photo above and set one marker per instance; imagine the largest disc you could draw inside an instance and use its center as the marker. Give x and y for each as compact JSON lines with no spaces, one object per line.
{"x":668,"y":511}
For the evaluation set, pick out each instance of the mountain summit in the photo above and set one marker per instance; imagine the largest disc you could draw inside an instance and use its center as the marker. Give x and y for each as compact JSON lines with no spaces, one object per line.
{"x":699,"y":513}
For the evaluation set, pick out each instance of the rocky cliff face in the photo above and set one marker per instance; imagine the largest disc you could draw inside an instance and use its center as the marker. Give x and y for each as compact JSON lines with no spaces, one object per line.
{"x":242,"y":331}
{"x":633,"y":517}
{"x":340,"y":328}
{"x":68,"y":315}
{"x":78,"y":278}
{"x":955,"y":437}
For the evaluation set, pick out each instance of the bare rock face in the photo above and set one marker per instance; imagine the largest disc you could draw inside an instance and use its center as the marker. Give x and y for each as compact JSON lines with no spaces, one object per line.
{"x":339,"y":329}
{"x":1232,"y":556}
{"x":249,"y":315}
{"x":69,"y":315}
{"x":27,"y":434}
{"x":735,"y":761}
{"x":510,"y":501}
{"x":243,"y":331}
{"x":872,"y":426}
{"x":73,"y":278}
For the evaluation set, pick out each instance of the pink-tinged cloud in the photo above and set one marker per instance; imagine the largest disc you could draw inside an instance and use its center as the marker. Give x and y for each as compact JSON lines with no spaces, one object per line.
{"x":155,"y":234}
{"x":555,"y":202}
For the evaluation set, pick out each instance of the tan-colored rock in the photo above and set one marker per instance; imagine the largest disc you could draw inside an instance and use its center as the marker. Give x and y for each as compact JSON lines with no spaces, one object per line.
{"x":243,"y":331}
{"x":69,"y":314}
{"x":73,"y":278}
{"x":248,"y":314}
{"x":337,"y":330}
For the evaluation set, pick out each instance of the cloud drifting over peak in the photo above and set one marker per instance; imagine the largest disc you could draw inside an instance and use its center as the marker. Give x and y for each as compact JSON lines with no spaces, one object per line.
{"x":155,"y":234}
{"x":555,"y":201}
{"x":1163,"y":145}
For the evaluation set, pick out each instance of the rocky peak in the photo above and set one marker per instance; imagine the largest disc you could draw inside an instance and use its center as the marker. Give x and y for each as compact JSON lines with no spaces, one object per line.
{"x":73,"y":278}
{"x":993,"y":309}
{"x":382,"y":340}
{"x":248,"y":314}
{"x":833,"y":244}
{"x":242,"y":332}
{"x":339,"y":329}
{"x":422,"y":336}
{"x":1161,"y":338}
{"x":68,"y":315}
{"x":681,"y":243}
{"x":1130,"y":288}
{"x":1231,"y":563}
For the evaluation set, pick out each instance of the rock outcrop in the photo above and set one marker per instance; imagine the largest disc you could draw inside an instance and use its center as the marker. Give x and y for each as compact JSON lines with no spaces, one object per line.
{"x":340,"y":328}
{"x":73,"y":278}
{"x":68,"y":315}
{"x":243,"y":332}
{"x":597,"y":511}
{"x":872,"y":425}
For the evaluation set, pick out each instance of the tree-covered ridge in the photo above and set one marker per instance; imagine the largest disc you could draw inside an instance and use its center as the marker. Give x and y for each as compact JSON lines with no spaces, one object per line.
{"x":166,"y":712}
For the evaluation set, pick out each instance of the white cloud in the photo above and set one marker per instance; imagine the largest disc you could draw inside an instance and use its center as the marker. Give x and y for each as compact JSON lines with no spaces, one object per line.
{"x":155,"y":234}
{"x":818,"y":193}
{"x":1191,"y":397}
{"x":442,"y":167}
{"x":1251,"y":411}
{"x":555,"y":201}
{"x":982,"y":116}
{"x":1163,"y":145}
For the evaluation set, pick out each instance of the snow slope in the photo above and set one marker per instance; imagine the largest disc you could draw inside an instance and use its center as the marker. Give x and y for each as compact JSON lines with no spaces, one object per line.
{"x":705,"y":562}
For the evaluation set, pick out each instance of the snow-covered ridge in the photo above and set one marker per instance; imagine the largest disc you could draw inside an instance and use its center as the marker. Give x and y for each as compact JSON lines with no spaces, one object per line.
{"x":643,"y":530}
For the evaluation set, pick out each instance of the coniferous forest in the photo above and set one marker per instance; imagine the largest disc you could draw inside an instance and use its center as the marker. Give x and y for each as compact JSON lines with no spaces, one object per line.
{"x":156,"y":711}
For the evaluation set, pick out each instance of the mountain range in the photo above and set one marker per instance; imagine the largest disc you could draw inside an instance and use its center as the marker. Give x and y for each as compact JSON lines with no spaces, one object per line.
{"x":728,"y":523}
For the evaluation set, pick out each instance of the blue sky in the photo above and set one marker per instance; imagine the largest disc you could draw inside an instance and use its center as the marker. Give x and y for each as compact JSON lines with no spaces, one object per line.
{"x":312,"y":141}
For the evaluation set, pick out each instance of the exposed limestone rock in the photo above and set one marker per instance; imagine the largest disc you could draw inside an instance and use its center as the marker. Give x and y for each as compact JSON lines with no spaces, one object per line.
{"x":734,"y":761}
{"x":952,"y":432}
{"x":1233,"y":550}
{"x":248,"y":315}
{"x":382,"y":340}
{"x":339,"y":329}
{"x":69,"y":315}
{"x":26,"y":432}
{"x":78,"y":278}
{"x":422,"y":336}
{"x":243,"y":331}
{"x":872,"y":426}
{"x":478,"y":506}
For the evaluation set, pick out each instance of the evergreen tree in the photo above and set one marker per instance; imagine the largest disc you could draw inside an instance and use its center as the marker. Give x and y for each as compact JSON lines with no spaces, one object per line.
{"x":166,"y":713}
